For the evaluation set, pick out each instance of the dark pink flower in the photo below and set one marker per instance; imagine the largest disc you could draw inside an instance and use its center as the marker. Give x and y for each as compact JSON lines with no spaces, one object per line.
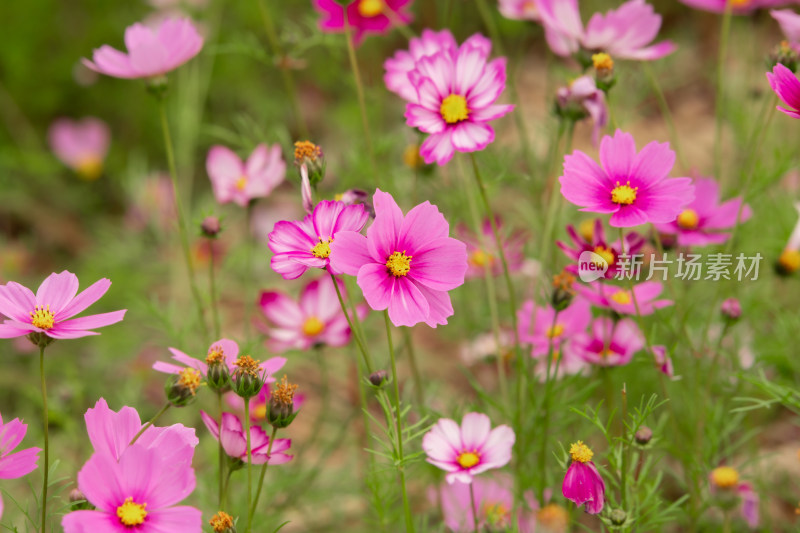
{"x":363,"y":16}
{"x":405,"y":264}
{"x":609,"y":343}
{"x":593,"y":239}
{"x":81,"y":145}
{"x":234,"y":180}
{"x":622,"y":300}
{"x":234,"y":441}
{"x":583,"y":483}
{"x":787,"y":87}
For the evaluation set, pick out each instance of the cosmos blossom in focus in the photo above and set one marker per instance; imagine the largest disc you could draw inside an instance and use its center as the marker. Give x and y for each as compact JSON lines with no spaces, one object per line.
{"x":234,"y":180}
{"x":786,"y":85}
{"x":82,"y":145}
{"x":364,"y":17}
{"x":583,"y":483}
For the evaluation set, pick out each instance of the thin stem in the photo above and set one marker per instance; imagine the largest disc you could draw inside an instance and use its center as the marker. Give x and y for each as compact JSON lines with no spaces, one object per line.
{"x":225,"y":489}
{"x":250,"y":279}
{"x":546,"y":423}
{"x":187,"y":255}
{"x":665,"y":112}
{"x":474,"y":507}
{"x":212,"y":287}
{"x":725,"y":32}
{"x":412,"y":359}
{"x":623,"y":481}
{"x":46,"y":422}
{"x":221,"y":455}
{"x":249,"y":462}
{"x":351,"y":54}
{"x":150,"y":422}
{"x":398,"y":419}
{"x":263,"y":474}
{"x":356,"y":336}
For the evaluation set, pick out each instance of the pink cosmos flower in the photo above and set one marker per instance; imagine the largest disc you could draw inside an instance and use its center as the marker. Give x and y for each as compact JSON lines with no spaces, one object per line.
{"x":405,"y":264}
{"x":15,"y":464}
{"x":150,"y":53}
{"x":51,"y":309}
{"x":593,"y":239}
{"x":621,"y":300}
{"x":786,"y":85}
{"x":739,"y":7}
{"x":749,"y":504}
{"x":234,"y":441}
{"x":632,"y":187}
{"x":519,"y":9}
{"x":536,"y":325}
{"x":316,"y":319}
{"x":466,"y":451}
{"x":236,"y":181}
{"x":609,"y":343}
{"x":583,"y":483}
{"x":363,"y":16}
{"x":82,"y":145}
{"x":306,"y":244}
{"x":260,"y":403}
{"x":401,"y":67}
{"x":225,"y":348}
{"x":663,"y":361}
{"x":789,"y":21}
{"x":583,"y":96}
{"x":624,"y":33}
{"x":700,"y":223}
{"x":482,"y":250}
{"x":456,"y":101}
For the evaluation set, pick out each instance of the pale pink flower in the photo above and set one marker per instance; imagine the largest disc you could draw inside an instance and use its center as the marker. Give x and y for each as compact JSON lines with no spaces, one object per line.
{"x":609,"y":343}
{"x":234,"y":441}
{"x":789,"y":21}
{"x":226,"y":348}
{"x":363,"y":16}
{"x":519,"y":9}
{"x":621,"y":300}
{"x":482,"y":250}
{"x":399,"y":68}
{"x":20,"y":463}
{"x":234,"y":180}
{"x":82,"y":145}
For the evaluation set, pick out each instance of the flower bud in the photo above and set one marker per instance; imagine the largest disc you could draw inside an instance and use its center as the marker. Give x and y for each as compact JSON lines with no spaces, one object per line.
{"x":218,"y":377}
{"x":157,"y":86}
{"x":78,"y":501}
{"x":785,"y":55}
{"x":731,"y":309}
{"x":562,"y":290}
{"x":222,"y":522}
{"x":643,"y":436}
{"x":604,"y":71}
{"x":248,"y":378}
{"x":281,"y":404}
{"x":378,"y":378}
{"x":618,"y":517}
{"x":310,"y":155}
{"x":210,"y":227}
{"x":181,"y":388}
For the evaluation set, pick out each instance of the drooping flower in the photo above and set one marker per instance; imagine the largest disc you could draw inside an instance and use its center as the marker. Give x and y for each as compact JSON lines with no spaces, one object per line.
{"x":457,"y":95}
{"x":789,"y":21}
{"x":234,"y":180}
{"x":519,"y":9}
{"x":49,"y":312}
{"x":482,"y":250}
{"x":316,"y":319}
{"x":150,"y":53}
{"x":582,"y":98}
{"x":632,"y":187}
{"x":363,"y":16}
{"x":622,"y":300}
{"x":538,"y":327}
{"x":738,"y":7}
{"x":786,"y":85}
{"x":405,"y":264}
{"x":583,"y":483}
{"x":82,"y":145}
{"x":608,"y":343}
{"x":703,"y":220}
{"x":20,"y":463}
{"x":591,"y":237}
{"x":234,"y":441}
{"x":468,"y":450}
{"x":399,"y":68}
{"x":624,"y":33}
{"x":306,"y":244}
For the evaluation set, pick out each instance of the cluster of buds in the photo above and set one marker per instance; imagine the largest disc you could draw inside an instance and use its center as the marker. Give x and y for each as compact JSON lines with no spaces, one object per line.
{"x":248,"y":378}
{"x":181,"y":388}
{"x":281,"y":411}
{"x":563,"y":292}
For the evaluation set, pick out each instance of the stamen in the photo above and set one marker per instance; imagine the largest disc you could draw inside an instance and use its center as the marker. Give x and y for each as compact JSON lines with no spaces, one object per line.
{"x":454,"y":109}
{"x":580,"y":452}
{"x":131,"y":513}
{"x":624,"y":194}
{"x":468,"y":459}
{"x":42,"y":317}
{"x":399,"y":264}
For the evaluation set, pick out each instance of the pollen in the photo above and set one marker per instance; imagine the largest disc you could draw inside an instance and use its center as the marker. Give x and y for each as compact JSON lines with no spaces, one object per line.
{"x":399,"y":264}
{"x":370,"y":8}
{"x":322,"y":249}
{"x":89,"y":167}
{"x":624,"y":194}
{"x":306,"y":151}
{"x":241,"y":183}
{"x":247,"y":365}
{"x":622,"y":297}
{"x":688,"y":219}
{"x":581,"y":452}
{"x":602,"y":63}
{"x":313,"y":326}
{"x":606,"y":253}
{"x":468,"y":459}
{"x":284,"y":392}
{"x":454,"y":109}
{"x":131,"y":513}
{"x":555,"y":331}
{"x":215,"y":355}
{"x":725,"y":477}
{"x":221,"y":522}
{"x":189,"y":378}
{"x":42,"y":317}
{"x":789,"y":261}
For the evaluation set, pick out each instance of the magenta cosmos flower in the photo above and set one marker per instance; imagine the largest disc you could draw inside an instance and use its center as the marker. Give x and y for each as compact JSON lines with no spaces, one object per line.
{"x":234,"y":441}
{"x":703,"y":220}
{"x":624,"y":33}
{"x":306,"y":244}
{"x":482,"y":250}
{"x":519,"y":9}
{"x":400,"y":69}
{"x":151,"y":53}
{"x":739,"y":7}
{"x":466,"y":451}
{"x":234,"y":180}
{"x":537,"y":327}
{"x":316,"y":319}
{"x":363,"y":16}
{"x":609,"y":343}
{"x":621,"y":300}
{"x":789,"y":21}
{"x":632,"y":187}
{"x":456,"y":101}
{"x":51,"y":309}
{"x":583,"y":484}
{"x":591,"y":237}
{"x":405,"y":264}
{"x":787,"y":87}
{"x":82,"y":145}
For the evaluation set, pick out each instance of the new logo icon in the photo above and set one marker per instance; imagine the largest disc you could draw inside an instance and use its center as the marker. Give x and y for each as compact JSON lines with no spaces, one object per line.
{"x":591,"y":266}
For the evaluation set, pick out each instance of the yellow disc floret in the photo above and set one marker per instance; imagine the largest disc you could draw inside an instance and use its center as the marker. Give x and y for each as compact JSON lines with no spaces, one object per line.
{"x":313,"y":326}
{"x":42,"y":317}
{"x":89,"y":167}
{"x":131,"y":513}
{"x":370,"y":8}
{"x":555,"y":331}
{"x":688,"y":219}
{"x":399,"y":264}
{"x":468,"y":459}
{"x":606,"y":253}
{"x":622,"y":297}
{"x":221,"y":522}
{"x":322,"y":249}
{"x":189,"y":378}
{"x":241,"y":183}
{"x":725,"y":477}
{"x":479,"y":258}
{"x":586,"y":229}
{"x":602,"y":63}
{"x":624,"y":194}
{"x":454,"y":109}
{"x":580,"y":452}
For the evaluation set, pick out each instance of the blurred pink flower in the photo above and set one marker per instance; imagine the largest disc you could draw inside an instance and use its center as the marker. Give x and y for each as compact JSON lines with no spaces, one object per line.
{"x":789,"y":21}
{"x":583,"y":94}
{"x":621,"y":300}
{"x":725,"y":480}
{"x":583,"y":483}
{"x":537,"y":327}
{"x":236,"y":181}
{"x":398,"y":75}
{"x":482,"y":250}
{"x":609,"y":343}
{"x":234,"y":441}
{"x":22,"y":462}
{"x":82,"y":145}
{"x":225,"y":348}
{"x":786,"y":85}
{"x":632,"y":187}
{"x":363,"y":16}
{"x":405,"y":264}
{"x":739,"y":7}
{"x":51,"y":309}
{"x":151,"y":53}
{"x":153,"y":202}
{"x":316,"y":319}
{"x":701,"y":222}
{"x":306,"y":244}
{"x":663,"y":361}
{"x":457,"y":97}
{"x":519,"y":9}
{"x":597,"y":243}
{"x":468,"y":450}
{"x":749,"y":504}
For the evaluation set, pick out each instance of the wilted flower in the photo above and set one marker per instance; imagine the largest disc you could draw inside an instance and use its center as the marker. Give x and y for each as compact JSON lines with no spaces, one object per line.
{"x":222,"y":522}
{"x":622,"y":301}
{"x":311,"y":162}
{"x":280,"y":412}
{"x":363,"y":16}
{"x":609,"y":343}
{"x":181,"y":388}
{"x":248,"y":377}
{"x":786,"y":85}
{"x":234,"y":180}
{"x":583,"y":483}
{"x":582,"y":98}
{"x":81,"y":145}
{"x":234,"y":441}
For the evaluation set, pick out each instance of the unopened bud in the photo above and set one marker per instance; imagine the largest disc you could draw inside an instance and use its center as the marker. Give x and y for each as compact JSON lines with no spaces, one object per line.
{"x":618,"y":517}
{"x":248,"y":378}
{"x":210,"y":227}
{"x":181,"y":388}
{"x":281,"y":404}
{"x":378,"y":378}
{"x":562,"y":290}
{"x":643,"y":436}
{"x":731,"y":309}
{"x":222,"y":522}
{"x":78,"y":501}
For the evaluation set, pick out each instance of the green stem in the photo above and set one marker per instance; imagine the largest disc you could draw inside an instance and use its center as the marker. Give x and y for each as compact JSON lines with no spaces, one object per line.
{"x":46,"y":422}
{"x":251,"y":278}
{"x":225,"y":489}
{"x":623,"y":481}
{"x":723,"y":51}
{"x":263,"y":474}
{"x":249,"y":462}
{"x":474,"y":507}
{"x":221,"y":455}
{"x":187,"y":255}
{"x":356,"y":336}
{"x":213,"y":290}
{"x":150,"y":422}
{"x":398,"y":419}
{"x":412,"y":359}
{"x":548,"y":380}
{"x":351,"y":54}
{"x":665,"y":112}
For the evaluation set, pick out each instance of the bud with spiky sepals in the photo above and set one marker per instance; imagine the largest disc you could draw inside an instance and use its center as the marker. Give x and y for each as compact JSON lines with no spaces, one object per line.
{"x":248,"y":378}
{"x":181,"y":388}
{"x":218,"y":377}
{"x":310,"y":155}
{"x":643,"y":436}
{"x":211,"y":227}
{"x":379,"y":378}
{"x":222,"y":522}
{"x":42,"y":340}
{"x":563,"y":292}
{"x":618,"y":518}
{"x":281,"y":411}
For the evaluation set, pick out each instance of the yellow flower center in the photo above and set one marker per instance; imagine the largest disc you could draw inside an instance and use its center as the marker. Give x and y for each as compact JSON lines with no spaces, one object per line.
{"x":586,"y":229}
{"x":602,"y":63}
{"x":468,"y":459}
{"x":789,"y":261}
{"x":322,"y":249}
{"x":259,"y":412}
{"x":215,"y":355}
{"x":555,"y":331}
{"x":189,"y":378}
{"x":725,"y":477}
{"x":306,"y":150}
{"x":313,"y":326}
{"x":247,"y":365}
{"x":621,"y":297}
{"x":606,"y":253}
{"x":479,"y":258}
{"x":241,"y":183}
{"x":42,"y":317}
{"x":553,"y":517}
{"x":580,"y":452}
{"x":624,"y":194}
{"x":131,"y":513}
{"x":454,"y":109}
{"x":688,"y":219}
{"x":221,"y":522}
{"x":496,"y":514}
{"x":89,"y":167}
{"x":370,"y":8}
{"x":399,"y":264}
